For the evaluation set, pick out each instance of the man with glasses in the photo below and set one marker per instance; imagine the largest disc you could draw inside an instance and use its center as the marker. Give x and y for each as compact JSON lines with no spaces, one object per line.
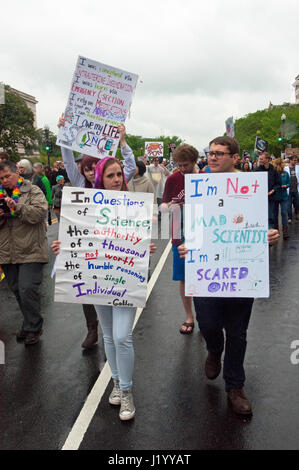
{"x":231,"y":314}
{"x":293,"y":200}
{"x":274,"y":184}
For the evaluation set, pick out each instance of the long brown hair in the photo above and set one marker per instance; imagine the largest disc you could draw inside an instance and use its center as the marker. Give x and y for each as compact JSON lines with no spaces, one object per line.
{"x":278,"y":165}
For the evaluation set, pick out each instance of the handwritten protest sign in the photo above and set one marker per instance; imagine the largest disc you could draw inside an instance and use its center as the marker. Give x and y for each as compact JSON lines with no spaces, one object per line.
{"x":154,"y":149}
{"x":226,"y":226}
{"x":104,"y":256}
{"x":98,"y":103}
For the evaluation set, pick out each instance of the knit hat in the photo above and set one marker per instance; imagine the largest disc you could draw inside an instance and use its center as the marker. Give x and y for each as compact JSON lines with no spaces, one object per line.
{"x":99,"y":169}
{"x":59,"y":178}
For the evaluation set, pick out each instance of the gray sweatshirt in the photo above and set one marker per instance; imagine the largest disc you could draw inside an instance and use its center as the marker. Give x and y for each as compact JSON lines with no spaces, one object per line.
{"x":78,"y":180}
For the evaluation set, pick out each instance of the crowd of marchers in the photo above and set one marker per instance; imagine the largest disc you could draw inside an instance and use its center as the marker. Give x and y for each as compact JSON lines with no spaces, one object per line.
{"x":28,"y":195}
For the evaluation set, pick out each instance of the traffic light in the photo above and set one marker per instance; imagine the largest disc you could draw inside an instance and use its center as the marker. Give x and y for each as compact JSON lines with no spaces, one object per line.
{"x":47,"y":146}
{"x":279,"y":137}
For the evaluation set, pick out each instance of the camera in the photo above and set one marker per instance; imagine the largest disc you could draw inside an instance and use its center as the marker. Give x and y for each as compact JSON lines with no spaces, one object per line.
{"x":4,"y":206}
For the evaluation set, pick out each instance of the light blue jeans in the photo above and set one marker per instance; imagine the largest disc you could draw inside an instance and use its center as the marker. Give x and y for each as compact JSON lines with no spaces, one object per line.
{"x":117,"y":324}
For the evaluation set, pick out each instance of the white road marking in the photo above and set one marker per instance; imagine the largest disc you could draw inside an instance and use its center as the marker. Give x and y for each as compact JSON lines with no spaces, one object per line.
{"x":80,"y":427}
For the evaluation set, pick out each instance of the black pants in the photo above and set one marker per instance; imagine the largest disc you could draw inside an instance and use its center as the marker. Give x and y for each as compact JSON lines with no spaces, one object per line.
{"x":272,"y":211}
{"x":232,"y":315}
{"x":24,"y":280}
{"x":89,"y":313}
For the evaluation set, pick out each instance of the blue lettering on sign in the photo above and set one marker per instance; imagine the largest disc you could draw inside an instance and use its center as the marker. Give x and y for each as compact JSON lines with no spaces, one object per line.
{"x":99,"y":198}
{"x":211,"y":190}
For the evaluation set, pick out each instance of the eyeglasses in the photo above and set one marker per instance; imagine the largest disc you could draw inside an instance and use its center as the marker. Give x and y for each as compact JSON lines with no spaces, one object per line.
{"x":218,"y":154}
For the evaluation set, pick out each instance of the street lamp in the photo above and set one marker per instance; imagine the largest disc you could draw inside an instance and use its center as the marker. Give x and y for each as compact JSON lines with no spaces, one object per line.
{"x":283,"y":120}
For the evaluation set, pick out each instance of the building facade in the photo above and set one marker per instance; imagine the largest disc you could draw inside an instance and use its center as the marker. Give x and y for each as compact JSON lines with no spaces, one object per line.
{"x":296,"y":86}
{"x":31,"y":102}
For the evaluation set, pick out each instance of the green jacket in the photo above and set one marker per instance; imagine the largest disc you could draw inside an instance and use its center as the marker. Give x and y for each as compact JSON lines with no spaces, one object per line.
{"x":48,"y":189}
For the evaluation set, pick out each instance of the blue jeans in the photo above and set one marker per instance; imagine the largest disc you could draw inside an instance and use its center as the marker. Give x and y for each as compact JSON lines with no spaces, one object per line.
{"x":283,"y":211}
{"x":232,"y":315}
{"x":293,"y":200}
{"x":117,"y":325}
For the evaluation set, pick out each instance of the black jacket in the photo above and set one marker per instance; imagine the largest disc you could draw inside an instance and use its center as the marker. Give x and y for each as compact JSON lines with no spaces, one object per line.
{"x":273,"y":179}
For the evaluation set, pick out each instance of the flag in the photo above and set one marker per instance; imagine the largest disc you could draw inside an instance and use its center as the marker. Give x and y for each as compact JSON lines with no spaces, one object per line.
{"x":229,"y":126}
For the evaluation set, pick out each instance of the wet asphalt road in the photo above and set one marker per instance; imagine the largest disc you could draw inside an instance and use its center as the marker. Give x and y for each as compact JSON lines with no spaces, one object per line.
{"x":43,"y":387}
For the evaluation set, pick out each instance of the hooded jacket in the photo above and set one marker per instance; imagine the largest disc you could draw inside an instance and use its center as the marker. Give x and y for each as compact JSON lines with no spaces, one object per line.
{"x":142,"y":184}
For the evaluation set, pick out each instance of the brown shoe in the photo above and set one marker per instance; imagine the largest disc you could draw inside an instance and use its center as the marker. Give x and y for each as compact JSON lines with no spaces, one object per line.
{"x":21,"y":335}
{"x":213,"y":365}
{"x":285,"y":233}
{"x":239,"y":401}
{"x":92,"y":335}
{"x":32,"y":337}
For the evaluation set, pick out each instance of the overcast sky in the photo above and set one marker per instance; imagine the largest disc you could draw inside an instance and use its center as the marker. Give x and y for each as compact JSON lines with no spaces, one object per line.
{"x":198,"y":62}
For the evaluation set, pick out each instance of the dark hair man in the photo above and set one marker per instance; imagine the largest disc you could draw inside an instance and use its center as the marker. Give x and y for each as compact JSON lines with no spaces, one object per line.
{"x":273,"y":184}
{"x":231,"y":314}
{"x":293,"y":170}
{"x":23,"y":245}
{"x":185,"y":156}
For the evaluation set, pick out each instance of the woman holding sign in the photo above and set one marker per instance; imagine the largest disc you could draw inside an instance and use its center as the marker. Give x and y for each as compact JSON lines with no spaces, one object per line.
{"x":116,"y":322}
{"x":85,"y":178}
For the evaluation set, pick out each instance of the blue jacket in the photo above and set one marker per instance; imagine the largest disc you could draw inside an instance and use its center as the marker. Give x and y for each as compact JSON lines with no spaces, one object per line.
{"x":281,"y":194}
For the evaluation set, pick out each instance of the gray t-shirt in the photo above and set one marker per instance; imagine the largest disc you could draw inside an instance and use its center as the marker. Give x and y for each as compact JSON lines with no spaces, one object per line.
{"x":293,"y":180}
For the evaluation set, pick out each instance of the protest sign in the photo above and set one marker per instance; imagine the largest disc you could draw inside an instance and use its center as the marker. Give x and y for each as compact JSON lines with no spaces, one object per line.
{"x":104,"y":255}
{"x":261,"y":145}
{"x":226,"y":226}
{"x":229,"y":127}
{"x":98,"y":103}
{"x":154,"y":149}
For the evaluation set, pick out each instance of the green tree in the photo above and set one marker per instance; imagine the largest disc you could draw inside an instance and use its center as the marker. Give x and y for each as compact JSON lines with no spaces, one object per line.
{"x":41,"y":140}
{"x":16,"y":125}
{"x":268,"y":125}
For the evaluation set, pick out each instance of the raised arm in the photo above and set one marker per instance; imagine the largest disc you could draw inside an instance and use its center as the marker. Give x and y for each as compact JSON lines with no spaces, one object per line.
{"x":73,"y":173}
{"x":127,"y":154}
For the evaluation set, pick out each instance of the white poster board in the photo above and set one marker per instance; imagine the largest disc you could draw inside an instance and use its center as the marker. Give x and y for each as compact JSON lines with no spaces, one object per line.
{"x":99,"y":101}
{"x":154,"y":149}
{"x":226,"y":226}
{"x":104,"y":255}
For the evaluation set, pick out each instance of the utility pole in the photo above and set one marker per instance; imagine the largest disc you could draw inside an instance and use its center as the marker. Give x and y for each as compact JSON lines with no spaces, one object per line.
{"x":47,"y":143}
{"x":283,"y":120}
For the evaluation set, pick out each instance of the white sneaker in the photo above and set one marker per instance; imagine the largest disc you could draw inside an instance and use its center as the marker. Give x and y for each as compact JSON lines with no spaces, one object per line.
{"x":114,"y":398}
{"x":127,"y":408}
